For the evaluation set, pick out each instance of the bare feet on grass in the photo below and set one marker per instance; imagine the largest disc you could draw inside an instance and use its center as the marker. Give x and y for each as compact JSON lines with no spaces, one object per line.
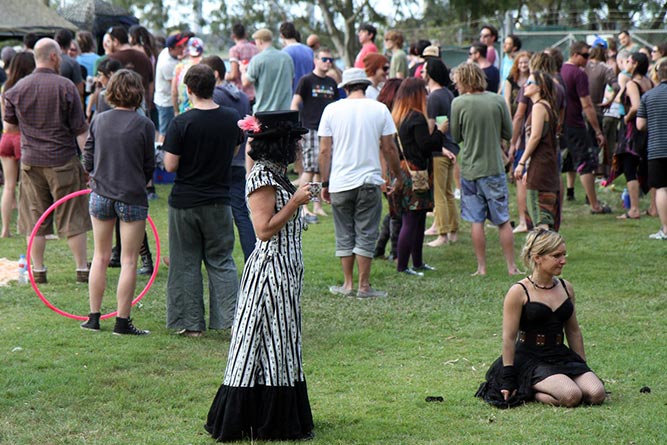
{"x":439,"y":241}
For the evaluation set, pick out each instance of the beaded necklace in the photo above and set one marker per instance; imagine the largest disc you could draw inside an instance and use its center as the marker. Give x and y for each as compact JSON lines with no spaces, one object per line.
{"x":555,"y":283}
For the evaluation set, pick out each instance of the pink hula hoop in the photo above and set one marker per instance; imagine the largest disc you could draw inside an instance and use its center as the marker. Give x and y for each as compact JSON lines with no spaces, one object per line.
{"x":32,"y":278}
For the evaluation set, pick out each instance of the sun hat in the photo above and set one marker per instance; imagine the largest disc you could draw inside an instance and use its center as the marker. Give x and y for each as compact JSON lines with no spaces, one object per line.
{"x":352,"y":76}
{"x":431,"y":51}
{"x":267,"y":124}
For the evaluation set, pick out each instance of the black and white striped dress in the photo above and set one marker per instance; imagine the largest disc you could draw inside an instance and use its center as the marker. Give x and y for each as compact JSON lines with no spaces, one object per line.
{"x":264,"y":395}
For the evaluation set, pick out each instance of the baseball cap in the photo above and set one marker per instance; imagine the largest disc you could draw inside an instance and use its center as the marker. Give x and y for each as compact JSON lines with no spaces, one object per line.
{"x":195,"y":47}
{"x":177,"y":40}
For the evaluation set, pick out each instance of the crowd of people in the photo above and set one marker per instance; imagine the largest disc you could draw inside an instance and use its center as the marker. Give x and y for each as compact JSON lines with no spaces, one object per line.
{"x":396,"y":124}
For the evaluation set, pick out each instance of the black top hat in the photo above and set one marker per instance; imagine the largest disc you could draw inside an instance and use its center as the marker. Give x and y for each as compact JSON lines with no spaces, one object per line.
{"x":277,"y":124}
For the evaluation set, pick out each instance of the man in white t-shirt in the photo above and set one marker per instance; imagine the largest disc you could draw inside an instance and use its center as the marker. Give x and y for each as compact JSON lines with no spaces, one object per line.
{"x":164,"y":73}
{"x":353,"y":132}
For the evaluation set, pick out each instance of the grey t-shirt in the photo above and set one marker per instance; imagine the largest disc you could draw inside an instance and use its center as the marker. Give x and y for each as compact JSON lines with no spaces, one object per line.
{"x":120,"y":155}
{"x":71,"y":69}
{"x":439,"y":103}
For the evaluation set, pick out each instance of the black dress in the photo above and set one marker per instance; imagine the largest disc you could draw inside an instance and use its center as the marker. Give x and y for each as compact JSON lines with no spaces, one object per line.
{"x":532,"y":362}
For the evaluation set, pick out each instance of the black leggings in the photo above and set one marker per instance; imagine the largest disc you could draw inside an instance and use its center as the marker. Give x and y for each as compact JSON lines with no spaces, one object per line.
{"x":411,"y":239}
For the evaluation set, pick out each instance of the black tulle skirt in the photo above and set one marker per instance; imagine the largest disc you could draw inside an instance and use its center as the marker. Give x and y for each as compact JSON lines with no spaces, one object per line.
{"x":261,"y":413}
{"x":532,"y":364}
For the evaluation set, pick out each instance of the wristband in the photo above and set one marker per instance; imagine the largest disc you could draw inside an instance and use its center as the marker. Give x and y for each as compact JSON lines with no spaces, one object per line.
{"x":325,"y":184}
{"x":522,"y":164}
{"x":509,"y":378}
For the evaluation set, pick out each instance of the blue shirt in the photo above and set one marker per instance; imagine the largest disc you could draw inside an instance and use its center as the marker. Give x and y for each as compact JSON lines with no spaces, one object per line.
{"x":505,"y":71}
{"x":302,"y":56}
{"x":87,"y":60}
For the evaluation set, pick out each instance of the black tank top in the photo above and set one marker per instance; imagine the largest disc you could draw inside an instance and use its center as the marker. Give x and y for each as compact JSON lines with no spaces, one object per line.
{"x":538,"y":317}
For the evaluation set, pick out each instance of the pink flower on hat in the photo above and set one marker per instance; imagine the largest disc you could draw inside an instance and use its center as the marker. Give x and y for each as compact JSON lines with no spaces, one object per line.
{"x":249,"y":123}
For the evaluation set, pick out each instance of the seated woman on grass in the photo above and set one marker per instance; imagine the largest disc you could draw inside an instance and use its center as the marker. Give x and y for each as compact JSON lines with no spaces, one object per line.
{"x":535,"y":363}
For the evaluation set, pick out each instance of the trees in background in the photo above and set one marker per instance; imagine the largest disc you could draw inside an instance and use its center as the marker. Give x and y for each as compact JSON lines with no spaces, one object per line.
{"x":449,"y":21}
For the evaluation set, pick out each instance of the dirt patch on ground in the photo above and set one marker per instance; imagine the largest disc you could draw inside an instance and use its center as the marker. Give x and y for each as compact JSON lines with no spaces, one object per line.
{"x":9,"y":270}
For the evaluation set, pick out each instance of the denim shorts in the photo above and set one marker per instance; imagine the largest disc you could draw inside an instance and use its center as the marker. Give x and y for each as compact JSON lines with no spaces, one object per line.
{"x":105,"y":209}
{"x":485,"y":198}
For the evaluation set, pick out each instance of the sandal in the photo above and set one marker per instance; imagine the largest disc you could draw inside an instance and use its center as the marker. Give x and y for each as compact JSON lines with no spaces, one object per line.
{"x":626,"y":215}
{"x":603,"y":210}
{"x":188,"y":333}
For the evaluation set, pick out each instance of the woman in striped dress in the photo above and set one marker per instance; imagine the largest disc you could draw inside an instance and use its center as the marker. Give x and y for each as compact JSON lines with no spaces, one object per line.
{"x":263,"y":395}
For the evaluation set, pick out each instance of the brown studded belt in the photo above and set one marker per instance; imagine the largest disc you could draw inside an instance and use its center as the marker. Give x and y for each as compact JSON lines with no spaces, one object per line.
{"x":537,"y":339}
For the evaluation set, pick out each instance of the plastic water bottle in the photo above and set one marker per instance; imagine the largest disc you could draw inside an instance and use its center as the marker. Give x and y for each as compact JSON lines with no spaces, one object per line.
{"x":625,"y":197}
{"x":23,"y":270}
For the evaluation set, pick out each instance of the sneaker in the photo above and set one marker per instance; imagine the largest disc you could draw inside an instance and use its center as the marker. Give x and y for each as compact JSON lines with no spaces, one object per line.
{"x":457,"y":194}
{"x":371,"y":293}
{"x":93,"y":322}
{"x":340,"y":290}
{"x":146,"y":265}
{"x":425,"y":267}
{"x":124,"y":326}
{"x":411,"y":272}
{"x":82,"y":276}
{"x":39,"y":276}
{"x":659,"y":235}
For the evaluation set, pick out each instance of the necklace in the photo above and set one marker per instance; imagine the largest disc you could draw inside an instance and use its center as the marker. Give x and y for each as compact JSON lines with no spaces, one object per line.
{"x":554,"y":283}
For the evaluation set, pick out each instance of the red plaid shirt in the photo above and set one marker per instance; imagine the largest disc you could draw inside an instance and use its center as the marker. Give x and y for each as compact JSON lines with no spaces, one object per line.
{"x":241,"y":53}
{"x":48,"y":111}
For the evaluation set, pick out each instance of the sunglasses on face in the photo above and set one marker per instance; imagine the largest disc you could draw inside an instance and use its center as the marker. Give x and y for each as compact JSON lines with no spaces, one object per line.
{"x":326,"y":59}
{"x":585,"y":55}
{"x":531,"y":82}
{"x":386,"y":67}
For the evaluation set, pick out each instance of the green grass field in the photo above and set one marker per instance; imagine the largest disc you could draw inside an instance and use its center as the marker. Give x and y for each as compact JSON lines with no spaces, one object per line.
{"x":369,"y":364}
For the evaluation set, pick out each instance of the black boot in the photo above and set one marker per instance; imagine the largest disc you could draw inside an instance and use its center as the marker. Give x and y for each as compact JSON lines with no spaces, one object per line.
{"x":146,"y":265}
{"x":93,"y":322}
{"x":114,"y":261}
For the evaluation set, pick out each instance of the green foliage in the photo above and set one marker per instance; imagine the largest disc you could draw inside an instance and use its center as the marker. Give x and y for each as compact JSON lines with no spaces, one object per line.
{"x":369,"y":364}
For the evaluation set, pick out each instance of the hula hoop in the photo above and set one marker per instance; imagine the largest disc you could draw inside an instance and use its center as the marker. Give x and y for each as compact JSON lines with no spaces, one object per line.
{"x":32,"y":278}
